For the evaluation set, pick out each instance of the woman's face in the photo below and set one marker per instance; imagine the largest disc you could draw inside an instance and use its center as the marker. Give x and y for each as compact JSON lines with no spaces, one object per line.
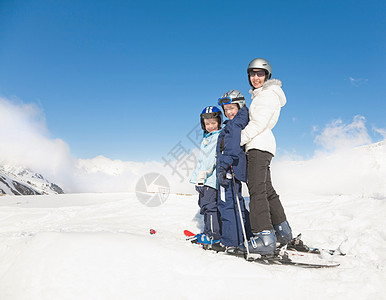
{"x":257,"y":77}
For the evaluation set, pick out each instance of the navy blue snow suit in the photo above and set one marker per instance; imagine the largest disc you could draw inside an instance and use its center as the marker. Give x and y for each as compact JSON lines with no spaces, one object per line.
{"x":230,"y":153}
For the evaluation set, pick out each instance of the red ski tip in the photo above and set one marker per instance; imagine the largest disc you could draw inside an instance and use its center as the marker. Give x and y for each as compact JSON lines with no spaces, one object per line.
{"x":188,"y":233}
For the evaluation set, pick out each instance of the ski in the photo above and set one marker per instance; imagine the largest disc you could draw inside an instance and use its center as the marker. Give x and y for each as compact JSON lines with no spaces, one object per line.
{"x":295,"y":254}
{"x":289,"y":258}
{"x":282,"y":256}
{"x":190,"y":236}
{"x":296,"y":244}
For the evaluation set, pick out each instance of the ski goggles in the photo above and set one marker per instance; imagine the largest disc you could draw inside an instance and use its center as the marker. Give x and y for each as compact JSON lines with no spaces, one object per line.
{"x":229,"y":100}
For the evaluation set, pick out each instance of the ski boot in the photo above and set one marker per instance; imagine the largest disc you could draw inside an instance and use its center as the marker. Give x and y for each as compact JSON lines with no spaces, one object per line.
{"x":263,"y":243}
{"x":298,"y":245}
{"x":205,"y":239}
{"x":283,"y":233}
{"x":231,"y":250}
{"x":218,"y":247}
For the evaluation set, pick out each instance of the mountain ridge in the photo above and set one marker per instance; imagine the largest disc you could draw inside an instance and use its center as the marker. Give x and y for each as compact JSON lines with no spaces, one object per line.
{"x":16,"y":180}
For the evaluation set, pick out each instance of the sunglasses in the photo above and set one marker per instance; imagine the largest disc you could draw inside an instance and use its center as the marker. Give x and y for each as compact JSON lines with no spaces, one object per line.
{"x":228,"y":100}
{"x":258,"y":73}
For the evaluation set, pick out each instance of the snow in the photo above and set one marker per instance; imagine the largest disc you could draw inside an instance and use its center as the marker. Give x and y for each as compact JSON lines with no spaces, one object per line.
{"x":98,"y":246}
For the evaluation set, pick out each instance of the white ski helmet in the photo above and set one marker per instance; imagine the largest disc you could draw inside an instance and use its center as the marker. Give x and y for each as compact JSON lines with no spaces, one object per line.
{"x":260,"y":63}
{"x":232,"y":96}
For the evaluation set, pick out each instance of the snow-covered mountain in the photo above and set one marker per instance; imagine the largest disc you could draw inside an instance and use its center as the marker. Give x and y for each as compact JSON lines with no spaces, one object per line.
{"x":16,"y":180}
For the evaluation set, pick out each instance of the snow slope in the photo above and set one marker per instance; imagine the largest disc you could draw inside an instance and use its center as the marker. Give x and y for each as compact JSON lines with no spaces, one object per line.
{"x":98,"y":246}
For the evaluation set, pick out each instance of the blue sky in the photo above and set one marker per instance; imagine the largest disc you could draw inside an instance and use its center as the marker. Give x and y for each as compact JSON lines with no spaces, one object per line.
{"x":128,"y":79}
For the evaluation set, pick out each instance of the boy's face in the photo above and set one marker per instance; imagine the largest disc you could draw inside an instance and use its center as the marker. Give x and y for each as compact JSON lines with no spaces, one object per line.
{"x":230,"y":110}
{"x":211,"y":124}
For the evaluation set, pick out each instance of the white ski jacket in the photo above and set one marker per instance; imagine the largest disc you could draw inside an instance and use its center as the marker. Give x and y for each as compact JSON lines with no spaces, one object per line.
{"x":263,"y":115}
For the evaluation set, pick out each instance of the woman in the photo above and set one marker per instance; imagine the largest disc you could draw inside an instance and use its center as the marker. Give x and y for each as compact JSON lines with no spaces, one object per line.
{"x":268,"y":220}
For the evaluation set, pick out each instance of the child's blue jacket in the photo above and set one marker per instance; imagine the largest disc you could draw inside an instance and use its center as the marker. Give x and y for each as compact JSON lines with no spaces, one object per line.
{"x":205,"y":171}
{"x":229,"y":152}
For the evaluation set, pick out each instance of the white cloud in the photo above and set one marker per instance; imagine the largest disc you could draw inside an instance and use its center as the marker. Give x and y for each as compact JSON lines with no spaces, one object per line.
{"x":101,"y":174}
{"x":357,"y":81}
{"x":347,"y":163}
{"x":25,"y":141}
{"x":380,"y":131}
{"x":360,"y":171}
{"x":337,"y":135}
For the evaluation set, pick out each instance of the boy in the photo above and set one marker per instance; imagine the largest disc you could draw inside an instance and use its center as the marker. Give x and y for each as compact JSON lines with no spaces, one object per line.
{"x":204,"y":175}
{"x":231,"y":158}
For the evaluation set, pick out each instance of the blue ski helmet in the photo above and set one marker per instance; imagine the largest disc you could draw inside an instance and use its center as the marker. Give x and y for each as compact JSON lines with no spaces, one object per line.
{"x":211,"y":112}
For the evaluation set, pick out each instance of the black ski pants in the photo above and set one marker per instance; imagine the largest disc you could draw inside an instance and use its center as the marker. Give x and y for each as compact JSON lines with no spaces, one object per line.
{"x":265,"y":207}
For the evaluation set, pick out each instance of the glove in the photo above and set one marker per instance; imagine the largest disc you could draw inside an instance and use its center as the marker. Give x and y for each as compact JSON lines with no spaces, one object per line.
{"x":223,"y":177}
